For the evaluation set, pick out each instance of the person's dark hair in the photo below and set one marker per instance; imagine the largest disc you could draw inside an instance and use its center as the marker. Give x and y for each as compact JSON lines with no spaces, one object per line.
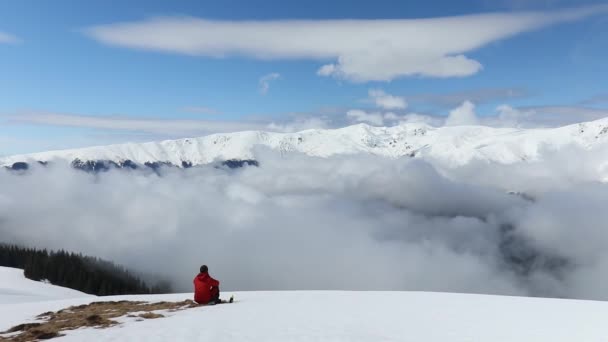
{"x":204,"y":269}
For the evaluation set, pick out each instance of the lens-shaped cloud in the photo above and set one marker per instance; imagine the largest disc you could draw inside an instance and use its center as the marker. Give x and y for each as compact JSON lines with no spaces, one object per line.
{"x":363,"y":50}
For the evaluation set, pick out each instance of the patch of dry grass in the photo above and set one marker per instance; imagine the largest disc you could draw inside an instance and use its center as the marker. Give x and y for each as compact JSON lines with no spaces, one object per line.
{"x":150,"y":315}
{"x":96,"y":315}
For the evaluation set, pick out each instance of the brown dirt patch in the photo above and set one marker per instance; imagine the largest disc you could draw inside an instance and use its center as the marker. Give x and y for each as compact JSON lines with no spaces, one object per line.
{"x":97,"y":315}
{"x":150,"y":315}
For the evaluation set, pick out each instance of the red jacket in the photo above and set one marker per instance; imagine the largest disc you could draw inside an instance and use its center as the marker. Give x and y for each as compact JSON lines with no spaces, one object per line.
{"x":202,"y":287}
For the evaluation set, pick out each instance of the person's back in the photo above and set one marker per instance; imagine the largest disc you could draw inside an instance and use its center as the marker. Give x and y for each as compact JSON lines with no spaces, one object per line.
{"x":206,"y":289}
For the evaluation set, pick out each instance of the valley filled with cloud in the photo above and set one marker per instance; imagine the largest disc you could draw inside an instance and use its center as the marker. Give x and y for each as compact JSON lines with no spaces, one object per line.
{"x":348,"y":222}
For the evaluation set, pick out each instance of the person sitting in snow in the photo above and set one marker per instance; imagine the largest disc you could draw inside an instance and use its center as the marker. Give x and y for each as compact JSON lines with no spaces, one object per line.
{"x":206,"y":289}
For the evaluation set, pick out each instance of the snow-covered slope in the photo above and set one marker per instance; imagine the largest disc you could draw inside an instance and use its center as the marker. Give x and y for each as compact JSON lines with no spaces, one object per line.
{"x":15,"y":288}
{"x":349,"y":316}
{"x":452,"y":145}
{"x":323,"y":316}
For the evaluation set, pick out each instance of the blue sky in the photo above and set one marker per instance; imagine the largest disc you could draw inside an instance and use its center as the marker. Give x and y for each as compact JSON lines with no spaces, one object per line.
{"x":76,"y":73}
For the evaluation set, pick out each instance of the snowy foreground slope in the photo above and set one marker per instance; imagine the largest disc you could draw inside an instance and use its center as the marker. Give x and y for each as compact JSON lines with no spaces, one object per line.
{"x":15,"y":288}
{"x":451,"y":145}
{"x":337,"y":316}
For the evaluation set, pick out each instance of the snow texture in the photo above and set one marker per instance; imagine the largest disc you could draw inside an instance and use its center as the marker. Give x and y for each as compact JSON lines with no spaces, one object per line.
{"x":329,"y":316}
{"x":15,"y":288}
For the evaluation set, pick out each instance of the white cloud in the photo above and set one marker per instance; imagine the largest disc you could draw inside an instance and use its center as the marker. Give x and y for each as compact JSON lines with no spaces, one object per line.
{"x":511,"y":117}
{"x":373,"y":118}
{"x":386,"y":101}
{"x":300,"y":124}
{"x":358,"y":115}
{"x":364,"y":50}
{"x":431,"y":120}
{"x":391,"y":116}
{"x":463,"y":115}
{"x":157,"y":126}
{"x":264,"y":82}
{"x":157,"y":129}
{"x":376,"y":214}
{"x":8,"y":38}
{"x":327,"y":70}
{"x":508,"y":116}
{"x":383,"y":101}
{"x":121,"y":129}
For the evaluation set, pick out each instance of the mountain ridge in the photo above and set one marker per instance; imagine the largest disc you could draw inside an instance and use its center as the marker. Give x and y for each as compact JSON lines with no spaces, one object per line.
{"x":453,"y":145}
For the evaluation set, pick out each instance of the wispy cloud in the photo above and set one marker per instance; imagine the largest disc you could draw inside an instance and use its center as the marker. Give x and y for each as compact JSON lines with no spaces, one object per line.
{"x":119,"y":129}
{"x":8,"y":38}
{"x":264,"y":82}
{"x":508,"y":116}
{"x":595,"y":100}
{"x":125,"y":123}
{"x":531,"y":4}
{"x":127,"y":127}
{"x":465,"y":114}
{"x":201,"y":110}
{"x":298,"y":124}
{"x":551,"y":116}
{"x":386,"y":101}
{"x":357,"y":115}
{"x":479,"y":96}
{"x":383,"y":49}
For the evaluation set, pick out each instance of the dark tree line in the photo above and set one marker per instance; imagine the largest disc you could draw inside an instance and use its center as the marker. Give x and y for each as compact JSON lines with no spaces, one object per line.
{"x":76,"y":271}
{"x":97,"y":166}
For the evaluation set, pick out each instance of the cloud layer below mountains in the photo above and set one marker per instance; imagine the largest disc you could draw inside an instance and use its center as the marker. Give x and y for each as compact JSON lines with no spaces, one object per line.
{"x":358,"y":223}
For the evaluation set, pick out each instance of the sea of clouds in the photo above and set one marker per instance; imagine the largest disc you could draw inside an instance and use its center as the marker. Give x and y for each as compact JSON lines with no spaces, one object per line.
{"x":346,"y":222}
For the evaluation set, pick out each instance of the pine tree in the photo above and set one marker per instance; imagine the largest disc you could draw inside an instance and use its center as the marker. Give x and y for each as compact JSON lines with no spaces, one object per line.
{"x":84,"y":273}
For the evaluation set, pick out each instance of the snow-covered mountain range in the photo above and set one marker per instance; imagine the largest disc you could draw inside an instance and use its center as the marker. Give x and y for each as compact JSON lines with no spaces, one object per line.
{"x":451,"y":145}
